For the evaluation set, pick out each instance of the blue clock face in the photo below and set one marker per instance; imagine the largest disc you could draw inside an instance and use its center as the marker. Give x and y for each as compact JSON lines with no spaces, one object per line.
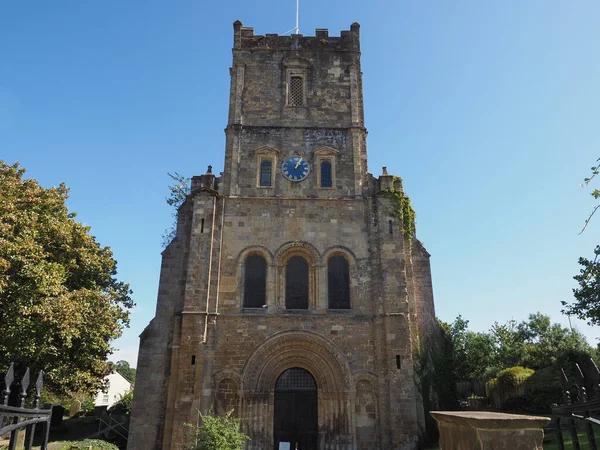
{"x":295,"y":168}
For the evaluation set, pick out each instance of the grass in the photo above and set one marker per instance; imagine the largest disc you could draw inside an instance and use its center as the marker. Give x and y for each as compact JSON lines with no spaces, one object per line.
{"x":551,"y":439}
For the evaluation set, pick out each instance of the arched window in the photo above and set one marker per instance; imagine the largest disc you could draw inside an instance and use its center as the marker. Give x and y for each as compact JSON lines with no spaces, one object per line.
{"x":296,"y":283}
{"x":338,"y":276}
{"x":326,"y":178}
{"x":255,"y":282}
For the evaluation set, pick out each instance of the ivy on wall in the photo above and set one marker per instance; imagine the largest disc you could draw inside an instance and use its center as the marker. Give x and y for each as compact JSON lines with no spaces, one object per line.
{"x":402,"y":210}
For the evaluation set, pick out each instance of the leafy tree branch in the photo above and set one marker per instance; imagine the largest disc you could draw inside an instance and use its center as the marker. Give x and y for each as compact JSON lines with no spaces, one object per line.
{"x":178,"y":192}
{"x":61,"y":304}
{"x":595,"y":193}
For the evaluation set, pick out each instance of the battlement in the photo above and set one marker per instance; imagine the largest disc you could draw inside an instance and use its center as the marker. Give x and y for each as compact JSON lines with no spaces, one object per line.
{"x":245,"y":39}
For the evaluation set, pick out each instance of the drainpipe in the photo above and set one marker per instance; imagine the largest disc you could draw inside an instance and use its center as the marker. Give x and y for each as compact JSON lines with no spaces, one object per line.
{"x":212,"y":240}
{"x":219,"y":264}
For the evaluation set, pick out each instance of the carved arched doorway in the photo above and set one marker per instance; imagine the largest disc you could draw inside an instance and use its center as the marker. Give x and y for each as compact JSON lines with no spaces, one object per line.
{"x":296,"y":419}
{"x":324,"y":362}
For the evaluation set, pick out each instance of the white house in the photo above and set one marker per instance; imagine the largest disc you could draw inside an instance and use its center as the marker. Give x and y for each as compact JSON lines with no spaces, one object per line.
{"x":117,"y":386}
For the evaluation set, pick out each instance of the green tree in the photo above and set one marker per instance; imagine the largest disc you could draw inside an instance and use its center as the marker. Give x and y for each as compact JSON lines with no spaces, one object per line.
{"x":535,"y":343}
{"x":474,"y":353}
{"x":178,"y":192}
{"x":546,"y":342}
{"x":509,"y":342}
{"x":125,"y":369}
{"x":587,"y":292}
{"x":217,"y":433}
{"x":61,"y":304}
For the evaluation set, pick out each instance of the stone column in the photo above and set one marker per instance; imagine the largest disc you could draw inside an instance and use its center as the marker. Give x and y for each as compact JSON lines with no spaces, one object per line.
{"x":477,"y":430}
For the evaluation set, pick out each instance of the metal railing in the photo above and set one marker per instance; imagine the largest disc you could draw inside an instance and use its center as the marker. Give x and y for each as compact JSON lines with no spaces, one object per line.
{"x":14,"y":417}
{"x":573,"y":414}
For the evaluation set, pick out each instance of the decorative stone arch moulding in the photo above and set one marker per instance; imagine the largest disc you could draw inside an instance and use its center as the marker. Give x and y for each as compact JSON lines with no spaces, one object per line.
{"x":224,"y":374}
{"x":297,"y":348}
{"x":339,"y":250}
{"x":297,"y":247}
{"x":365,"y":375}
{"x":225,"y":383}
{"x":258,"y":249}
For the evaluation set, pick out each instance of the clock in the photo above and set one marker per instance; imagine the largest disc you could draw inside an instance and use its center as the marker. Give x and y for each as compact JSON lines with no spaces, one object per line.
{"x":295,"y":168}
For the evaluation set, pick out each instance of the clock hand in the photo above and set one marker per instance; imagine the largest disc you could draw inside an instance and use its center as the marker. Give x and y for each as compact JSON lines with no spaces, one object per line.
{"x":298,"y":163}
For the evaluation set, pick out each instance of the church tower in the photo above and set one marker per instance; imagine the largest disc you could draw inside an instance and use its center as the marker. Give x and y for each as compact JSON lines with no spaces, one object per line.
{"x":295,"y":292}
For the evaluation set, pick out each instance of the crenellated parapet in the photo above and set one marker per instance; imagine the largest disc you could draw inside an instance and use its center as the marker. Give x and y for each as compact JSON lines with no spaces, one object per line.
{"x":244,"y":38}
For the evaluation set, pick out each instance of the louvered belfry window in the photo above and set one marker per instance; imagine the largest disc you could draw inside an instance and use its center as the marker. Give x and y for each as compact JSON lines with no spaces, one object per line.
{"x":296,"y":91}
{"x":255,"y":281}
{"x":296,"y":283}
{"x":338,"y":277}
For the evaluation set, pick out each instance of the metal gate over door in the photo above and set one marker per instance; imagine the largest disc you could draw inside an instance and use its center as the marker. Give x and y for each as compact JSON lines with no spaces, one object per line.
{"x":296,"y":416}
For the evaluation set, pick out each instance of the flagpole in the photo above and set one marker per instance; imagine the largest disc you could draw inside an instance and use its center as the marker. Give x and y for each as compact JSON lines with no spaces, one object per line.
{"x":295,"y":30}
{"x":297,"y":7}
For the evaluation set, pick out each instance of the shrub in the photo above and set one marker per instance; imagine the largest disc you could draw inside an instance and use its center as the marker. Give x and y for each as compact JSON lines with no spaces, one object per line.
{"x":217,"y":433}
{"x":508,"y":383}
{"x":87,"y":444}
{"x":542,"y":398}
{"x":87,"y":406}
{"x":125,"y":403}
{"x":513,"y":376}
{"x":541,"y":390}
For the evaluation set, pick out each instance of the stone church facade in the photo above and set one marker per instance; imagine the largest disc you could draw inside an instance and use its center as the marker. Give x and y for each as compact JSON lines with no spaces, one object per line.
{"x":291,"y":292}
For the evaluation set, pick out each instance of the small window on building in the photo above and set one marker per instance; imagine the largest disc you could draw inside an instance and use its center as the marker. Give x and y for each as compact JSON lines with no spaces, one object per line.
{"x":326,"y":175}
{"x":338,"y":277}
{"x":255,"y":282}
{"x":105,"y":398}
{"x":296,"y":91}
{"x":266,"y":172}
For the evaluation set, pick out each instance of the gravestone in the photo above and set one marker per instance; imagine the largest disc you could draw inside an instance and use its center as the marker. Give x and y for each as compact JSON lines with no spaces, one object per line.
{"x":75,"y":408}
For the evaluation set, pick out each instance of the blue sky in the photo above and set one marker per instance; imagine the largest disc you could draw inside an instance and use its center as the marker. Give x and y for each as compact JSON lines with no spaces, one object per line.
{"x":488,"y":111}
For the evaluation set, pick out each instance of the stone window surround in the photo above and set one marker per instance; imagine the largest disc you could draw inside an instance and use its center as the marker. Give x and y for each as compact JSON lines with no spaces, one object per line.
{"x":326,"y":154}
{"x":298,"y":67}
{"x":281,"y":278}
{"x":241,"y":274}
{"x":318,"y":300}
{"x":298,"y":73}
{"x":261,"y":154}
